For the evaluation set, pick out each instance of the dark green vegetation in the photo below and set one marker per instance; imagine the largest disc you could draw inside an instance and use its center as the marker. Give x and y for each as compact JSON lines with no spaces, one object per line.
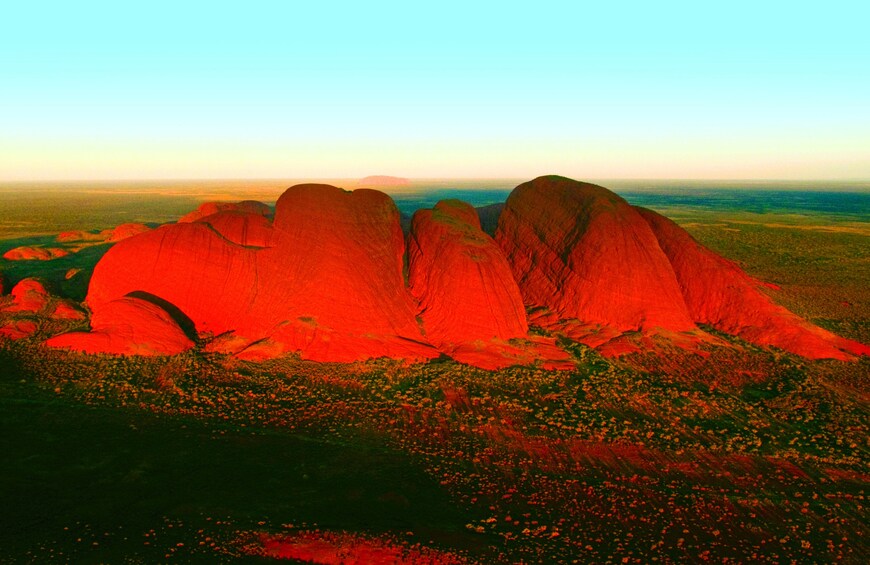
{"x":747,"y":454}
{"x":67,"y":276}
{"x":27,"y":211}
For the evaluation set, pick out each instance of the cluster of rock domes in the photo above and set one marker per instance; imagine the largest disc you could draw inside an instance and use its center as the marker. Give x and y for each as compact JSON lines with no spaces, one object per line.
{"x":332,"y":277}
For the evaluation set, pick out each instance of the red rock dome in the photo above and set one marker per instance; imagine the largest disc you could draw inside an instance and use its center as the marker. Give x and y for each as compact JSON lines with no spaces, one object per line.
{"x":585,"y":254}
{"x":208,"y":208}
{"x":127,"y":326}
{"x":469,"y":302}
{"x":248,"y":229}
{"x":461,"y":278}
{"x":720,"y":294}
{"x":330,"y":285}
{"x":29,"y":295}
{"x":34,"y":253}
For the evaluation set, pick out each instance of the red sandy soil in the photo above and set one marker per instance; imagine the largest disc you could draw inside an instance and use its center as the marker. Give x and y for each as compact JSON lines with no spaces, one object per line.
{"x":338,"y":548}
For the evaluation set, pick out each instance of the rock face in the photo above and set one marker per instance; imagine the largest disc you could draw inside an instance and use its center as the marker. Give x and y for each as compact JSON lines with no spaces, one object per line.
{"x":720,"y":294}
{"x":64,"y":310}
{"x":470,"y":304}
{"x":249,"y":229}
{"x":585,"y":254}
{"x":112,"y":235}
{"x":127,"y":326}
{"x":329,"y":285}
{"x":325,"y":279}
{"x":209,"y":208}
{"x":123,"y":231}
{"x":18,"y":329}
{"x":461,"y":278}
{"x":188,"y":265}
{"x":29,"y":295}
{"x":489,"y":215}
{"x":28,"y":253}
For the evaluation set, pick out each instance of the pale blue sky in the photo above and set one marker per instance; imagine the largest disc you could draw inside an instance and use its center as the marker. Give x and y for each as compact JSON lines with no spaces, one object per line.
{"x":284,"y":89}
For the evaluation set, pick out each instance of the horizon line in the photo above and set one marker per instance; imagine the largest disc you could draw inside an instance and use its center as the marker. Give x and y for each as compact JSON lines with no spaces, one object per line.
{"x":421,"y":179}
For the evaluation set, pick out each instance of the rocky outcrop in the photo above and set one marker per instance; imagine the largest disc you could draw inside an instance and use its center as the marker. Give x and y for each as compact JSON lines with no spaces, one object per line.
{"x":29,"y":295}
{"x":328,"y":286}
{"x":123,"y":231}
{"x":65,"y":310}
{"x":325,"y":279}
{"x":249,"y":229}
{"x":210,"y":208}
{"x":18,"y":329}
{"x":34,"y":253}
{"x":588,"y":257}
{"x":461,"y":278}
{"x":112,"y":235}
{"x":720,"y":294}
{"x":470,"y":305}
{"x":127,"y":326}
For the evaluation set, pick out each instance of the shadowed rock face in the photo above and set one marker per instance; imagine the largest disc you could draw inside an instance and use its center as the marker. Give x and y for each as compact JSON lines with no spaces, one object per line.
{"x":584,"y":253}
{"x":720,"y":294}
{"x":489,"y":217}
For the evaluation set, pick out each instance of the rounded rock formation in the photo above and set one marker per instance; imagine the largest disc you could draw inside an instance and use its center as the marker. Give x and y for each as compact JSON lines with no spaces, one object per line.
{"x":586,"y":255}
{"x":469,"y":302}
{"x":209,"y":208}
{"x":31,"y":253}
{"x":247,"y":229}
{"x":329,"y":286}
{"x":29,"y":295}
{"x":720,"y":294}
{"x":383,"y":181}
{"x":461,"y":278}
{"x":127,"y":326}
{"x":123,"y":231}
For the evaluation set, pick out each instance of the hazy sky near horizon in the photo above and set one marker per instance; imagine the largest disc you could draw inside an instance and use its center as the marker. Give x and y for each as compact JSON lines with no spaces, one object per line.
{"x":448,"y":89}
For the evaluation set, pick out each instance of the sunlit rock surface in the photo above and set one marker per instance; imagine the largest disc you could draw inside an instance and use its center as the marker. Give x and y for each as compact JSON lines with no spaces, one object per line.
{"x":328,"y":286}
{"x":584,"y":254}
{"x":128,"y":326}
{"x":718,"y":293}
{"x":328,"y":277}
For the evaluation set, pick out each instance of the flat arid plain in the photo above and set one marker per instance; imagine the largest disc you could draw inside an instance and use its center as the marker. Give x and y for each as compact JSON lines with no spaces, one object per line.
{"x":631,"y":391}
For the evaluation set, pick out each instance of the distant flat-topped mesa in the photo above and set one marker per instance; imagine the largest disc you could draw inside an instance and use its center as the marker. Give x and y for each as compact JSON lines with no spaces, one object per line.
{"x":332,"y":278}
{"x":382,"y":181}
